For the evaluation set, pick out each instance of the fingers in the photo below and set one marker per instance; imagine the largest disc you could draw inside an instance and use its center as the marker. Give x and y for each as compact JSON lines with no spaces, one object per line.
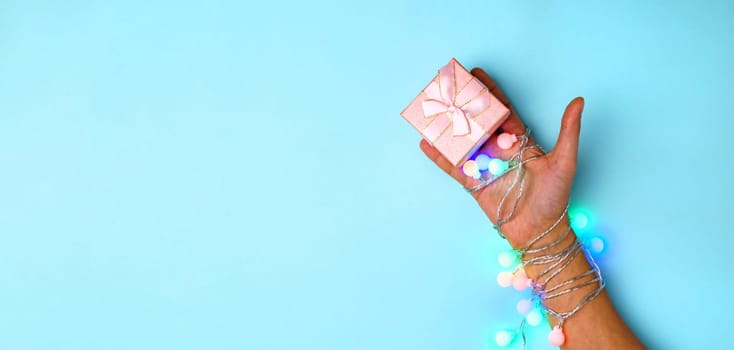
{"x":513,"y":124}
{"x":565,"y":152}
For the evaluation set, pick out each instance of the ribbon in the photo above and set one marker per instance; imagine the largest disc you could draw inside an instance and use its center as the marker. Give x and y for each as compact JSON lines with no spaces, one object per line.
{"x":453,"y":106}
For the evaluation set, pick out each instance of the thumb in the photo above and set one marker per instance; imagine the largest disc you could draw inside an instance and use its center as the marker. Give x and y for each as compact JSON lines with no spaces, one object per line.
{"x":566,"y":150}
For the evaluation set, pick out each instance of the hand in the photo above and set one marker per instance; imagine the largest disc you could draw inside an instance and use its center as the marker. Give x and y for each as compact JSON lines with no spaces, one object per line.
{"x":548,"y":180}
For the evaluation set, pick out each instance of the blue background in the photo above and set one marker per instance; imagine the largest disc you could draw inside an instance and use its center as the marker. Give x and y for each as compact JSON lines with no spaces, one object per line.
{"x":235,"y":175}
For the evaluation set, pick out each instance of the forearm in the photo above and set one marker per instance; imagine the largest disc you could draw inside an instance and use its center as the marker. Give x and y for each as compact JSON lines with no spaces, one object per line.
{"x":542,"y":193}
{"x":597,"y":325}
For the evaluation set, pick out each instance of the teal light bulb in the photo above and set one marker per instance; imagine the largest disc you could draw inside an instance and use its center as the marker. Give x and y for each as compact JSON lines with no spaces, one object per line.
{"x":497,"y":167}
{"x":507,"y":259}
{"x":534,"y":317}
{"x":579,"y":221}
{"x":504,"y":338}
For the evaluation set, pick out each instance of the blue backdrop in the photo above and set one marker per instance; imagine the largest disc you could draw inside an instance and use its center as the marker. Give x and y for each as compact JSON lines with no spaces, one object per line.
{"x":235,"y":175}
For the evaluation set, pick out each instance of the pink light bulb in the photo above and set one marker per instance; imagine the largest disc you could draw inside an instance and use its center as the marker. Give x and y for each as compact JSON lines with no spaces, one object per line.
{"x":505,"y":279}
{"x":506,"y":140}
{"x":524,"y":306}
{"x":520,"y":282}
{"x":556,"y":337}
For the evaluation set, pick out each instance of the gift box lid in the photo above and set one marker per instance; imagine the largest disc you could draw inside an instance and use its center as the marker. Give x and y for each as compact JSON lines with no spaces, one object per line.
{"x":456,"y":112}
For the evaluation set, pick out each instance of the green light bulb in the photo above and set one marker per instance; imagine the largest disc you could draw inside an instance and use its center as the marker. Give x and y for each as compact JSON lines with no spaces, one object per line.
{"x":507,"y":259}
{"x":579,"y":221}
{"x":497,"y":167}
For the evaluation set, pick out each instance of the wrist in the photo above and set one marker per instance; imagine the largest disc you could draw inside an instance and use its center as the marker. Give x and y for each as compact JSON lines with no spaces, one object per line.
{"x":576,"y":267}
{"x":523,"y":229}
{"x":556,"y":241}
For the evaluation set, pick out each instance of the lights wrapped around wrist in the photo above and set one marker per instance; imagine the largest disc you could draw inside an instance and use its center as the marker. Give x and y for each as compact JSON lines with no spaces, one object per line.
{"x":550,"y":255}
{"x":533,"y":309}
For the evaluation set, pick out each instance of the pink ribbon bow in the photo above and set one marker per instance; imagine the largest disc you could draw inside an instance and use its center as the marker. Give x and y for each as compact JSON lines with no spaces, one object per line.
{"x":454,"y":105}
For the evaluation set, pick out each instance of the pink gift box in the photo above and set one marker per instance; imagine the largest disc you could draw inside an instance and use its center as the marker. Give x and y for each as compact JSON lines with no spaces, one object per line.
{"x":456,"y":113}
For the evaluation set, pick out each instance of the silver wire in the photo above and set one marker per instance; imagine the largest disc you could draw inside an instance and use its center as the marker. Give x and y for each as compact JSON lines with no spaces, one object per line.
{"x":555,"y":262}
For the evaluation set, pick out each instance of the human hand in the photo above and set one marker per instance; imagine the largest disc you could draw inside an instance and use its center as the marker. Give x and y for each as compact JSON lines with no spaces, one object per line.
{"x":548,"y":180}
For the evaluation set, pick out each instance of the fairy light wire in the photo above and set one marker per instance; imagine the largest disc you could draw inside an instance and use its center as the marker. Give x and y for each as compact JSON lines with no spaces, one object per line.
{"x":540,"y":254}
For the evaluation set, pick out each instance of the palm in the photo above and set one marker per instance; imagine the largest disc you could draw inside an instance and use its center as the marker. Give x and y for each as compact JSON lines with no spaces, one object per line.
{"x":548,"y":180}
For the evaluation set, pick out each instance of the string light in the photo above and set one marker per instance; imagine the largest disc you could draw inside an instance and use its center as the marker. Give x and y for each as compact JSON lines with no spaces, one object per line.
{"x":556,"y":336}
{"x":508,"y":259}
{"x":506,"y":140}
{"x":504,"y":338}
{"x":482,"y":161}
{"x":534,"y":317}
{"x":596,"y":245}
{"x":471,"y":168}
{"x":534,"y":313}
{"x":521,"y":281}
{"x":524,"y":306}
{"x":580,"y":221}
{"x":497,"y":166}
{"x":505,"y":279}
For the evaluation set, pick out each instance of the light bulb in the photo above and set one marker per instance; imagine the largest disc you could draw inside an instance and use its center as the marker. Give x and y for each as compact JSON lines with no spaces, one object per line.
{"x":507,"y":259}
{"x":524,"y":306}
{"x":534,"y":317}
{"x":470,"y":168}
{"x":504,"y":338}
{"x":520,"y":282}
{"x":506,"y":140}
{"x":482,"y":161}
{"x":497,"y":167}
{"x":579,"y":220}
{"x":505,"y":278}
{"x":556,"y":336}
{"x":596,"y":245}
